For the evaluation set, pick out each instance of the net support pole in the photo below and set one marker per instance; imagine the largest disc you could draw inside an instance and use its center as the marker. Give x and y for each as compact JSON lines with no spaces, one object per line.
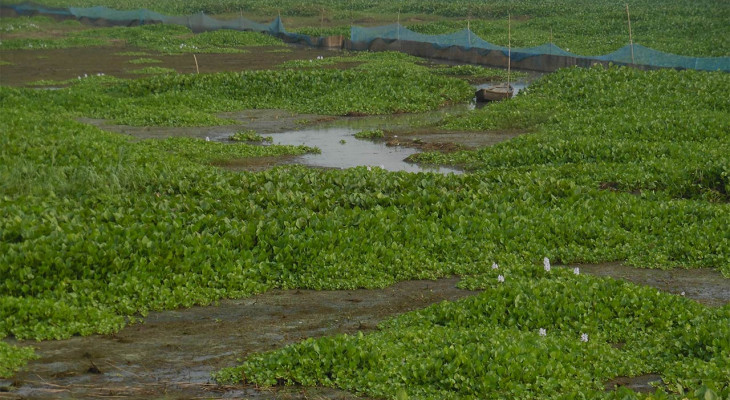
{"x":509,"y":47}
{"x":631,"y":38}
{"x":468,"y":31}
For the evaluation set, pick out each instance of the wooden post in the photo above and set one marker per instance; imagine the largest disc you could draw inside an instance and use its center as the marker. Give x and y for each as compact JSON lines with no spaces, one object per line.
{"x":631,"y":39}
{"x":196,"y":64}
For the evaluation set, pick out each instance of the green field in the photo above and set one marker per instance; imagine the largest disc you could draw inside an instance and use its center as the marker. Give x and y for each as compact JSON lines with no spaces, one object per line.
{"x":614,"y":164}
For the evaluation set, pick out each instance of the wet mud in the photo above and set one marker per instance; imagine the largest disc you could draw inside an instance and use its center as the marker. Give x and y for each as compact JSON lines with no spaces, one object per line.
{"x":173,"y":353}
{"x":704,"y":285}
{"x":640,"y":384}
{"x":443,"y":141}
{"x":28,"y":66}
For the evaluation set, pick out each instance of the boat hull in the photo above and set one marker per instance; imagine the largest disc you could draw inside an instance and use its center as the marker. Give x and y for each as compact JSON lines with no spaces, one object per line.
{"x":494,"y":93}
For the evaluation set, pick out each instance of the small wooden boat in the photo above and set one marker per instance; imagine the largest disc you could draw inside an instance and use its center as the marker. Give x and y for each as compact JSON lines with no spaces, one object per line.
{"x":495,"y":93}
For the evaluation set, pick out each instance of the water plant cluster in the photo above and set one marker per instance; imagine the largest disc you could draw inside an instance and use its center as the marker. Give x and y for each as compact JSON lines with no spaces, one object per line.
{"x":97,"y":230}
{"x":193,"y":100}
{"x":250,"y":135}
{"x":531,"y":333}
{"x":665,"y":141}
{"x":370,"y":134}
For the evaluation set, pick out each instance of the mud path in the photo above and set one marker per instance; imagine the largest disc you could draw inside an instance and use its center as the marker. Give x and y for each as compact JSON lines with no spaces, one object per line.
{"x":173,"y":353}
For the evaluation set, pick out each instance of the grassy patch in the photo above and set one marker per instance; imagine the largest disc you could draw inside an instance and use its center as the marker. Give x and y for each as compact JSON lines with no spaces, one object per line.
{"x":145,"y":60}
{"x":152,"y":70}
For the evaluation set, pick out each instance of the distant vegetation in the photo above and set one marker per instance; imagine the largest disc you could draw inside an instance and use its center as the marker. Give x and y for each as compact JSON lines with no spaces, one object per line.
{"x":696,"y":28}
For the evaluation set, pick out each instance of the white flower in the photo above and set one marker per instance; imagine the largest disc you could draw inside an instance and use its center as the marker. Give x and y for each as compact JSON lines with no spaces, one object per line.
{"x":543,"y":332}
{"x":207,"y":138}
{"x":546,"y":263}
{"x":576,"y":271}
{"x":500,"y":279}
{"x":495,"y":266}
{"x":584,"y":337}
{"x":369,"y":169}
{"x":681,"y":294}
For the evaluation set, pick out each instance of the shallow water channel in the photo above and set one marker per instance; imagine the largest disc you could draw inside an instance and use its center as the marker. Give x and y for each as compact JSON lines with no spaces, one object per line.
{"x":340,"y":149}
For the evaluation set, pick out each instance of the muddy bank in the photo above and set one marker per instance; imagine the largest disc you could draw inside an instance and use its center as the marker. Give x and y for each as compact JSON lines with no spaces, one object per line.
{"x":173,"y":353}
{"x":444,"y":141}
{"x":706,"y":286}
{"x":61,"y":64}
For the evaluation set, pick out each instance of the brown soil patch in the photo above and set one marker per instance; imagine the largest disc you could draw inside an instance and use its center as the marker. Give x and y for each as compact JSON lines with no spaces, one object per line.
{"x":63,"y":64}
{"x":173,"y":353}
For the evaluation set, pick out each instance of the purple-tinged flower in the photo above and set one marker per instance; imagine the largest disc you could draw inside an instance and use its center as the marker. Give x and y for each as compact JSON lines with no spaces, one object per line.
{"x":576,"y":271}
{"x":546,"y":263}
{"x":500,"y":279}
{"x":584,"y":337}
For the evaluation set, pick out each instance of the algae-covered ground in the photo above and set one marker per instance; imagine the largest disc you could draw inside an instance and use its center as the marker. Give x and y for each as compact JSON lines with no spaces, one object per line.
{"x":100,"y":233}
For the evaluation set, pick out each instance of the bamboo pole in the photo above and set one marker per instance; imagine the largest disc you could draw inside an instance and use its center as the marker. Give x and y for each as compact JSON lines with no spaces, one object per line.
{"x":196,"y":64}
{"x":631,"y":39}
{"x":509,"y":47}
{"x":468,"y":30}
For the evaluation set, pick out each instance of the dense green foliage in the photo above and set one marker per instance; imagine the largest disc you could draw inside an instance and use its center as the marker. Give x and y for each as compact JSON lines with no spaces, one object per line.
{"x":688,"y":27}
{"x":191,"y":100}
{"x":166,"y":39}
{"x":521,"y":338}
{"x":96,"y":229}
{"x":663,"y":134}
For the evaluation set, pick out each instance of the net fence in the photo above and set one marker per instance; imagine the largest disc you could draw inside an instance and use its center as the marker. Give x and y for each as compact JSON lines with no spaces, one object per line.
{"x":362,"y":37}
{"x":466,"y":39}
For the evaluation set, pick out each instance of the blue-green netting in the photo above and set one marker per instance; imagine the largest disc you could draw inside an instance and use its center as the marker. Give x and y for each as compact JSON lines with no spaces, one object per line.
{"x":464,"y":38}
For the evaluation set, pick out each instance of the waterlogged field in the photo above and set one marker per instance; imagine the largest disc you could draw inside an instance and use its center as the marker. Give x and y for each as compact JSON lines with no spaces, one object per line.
{"x":97,"y":230}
